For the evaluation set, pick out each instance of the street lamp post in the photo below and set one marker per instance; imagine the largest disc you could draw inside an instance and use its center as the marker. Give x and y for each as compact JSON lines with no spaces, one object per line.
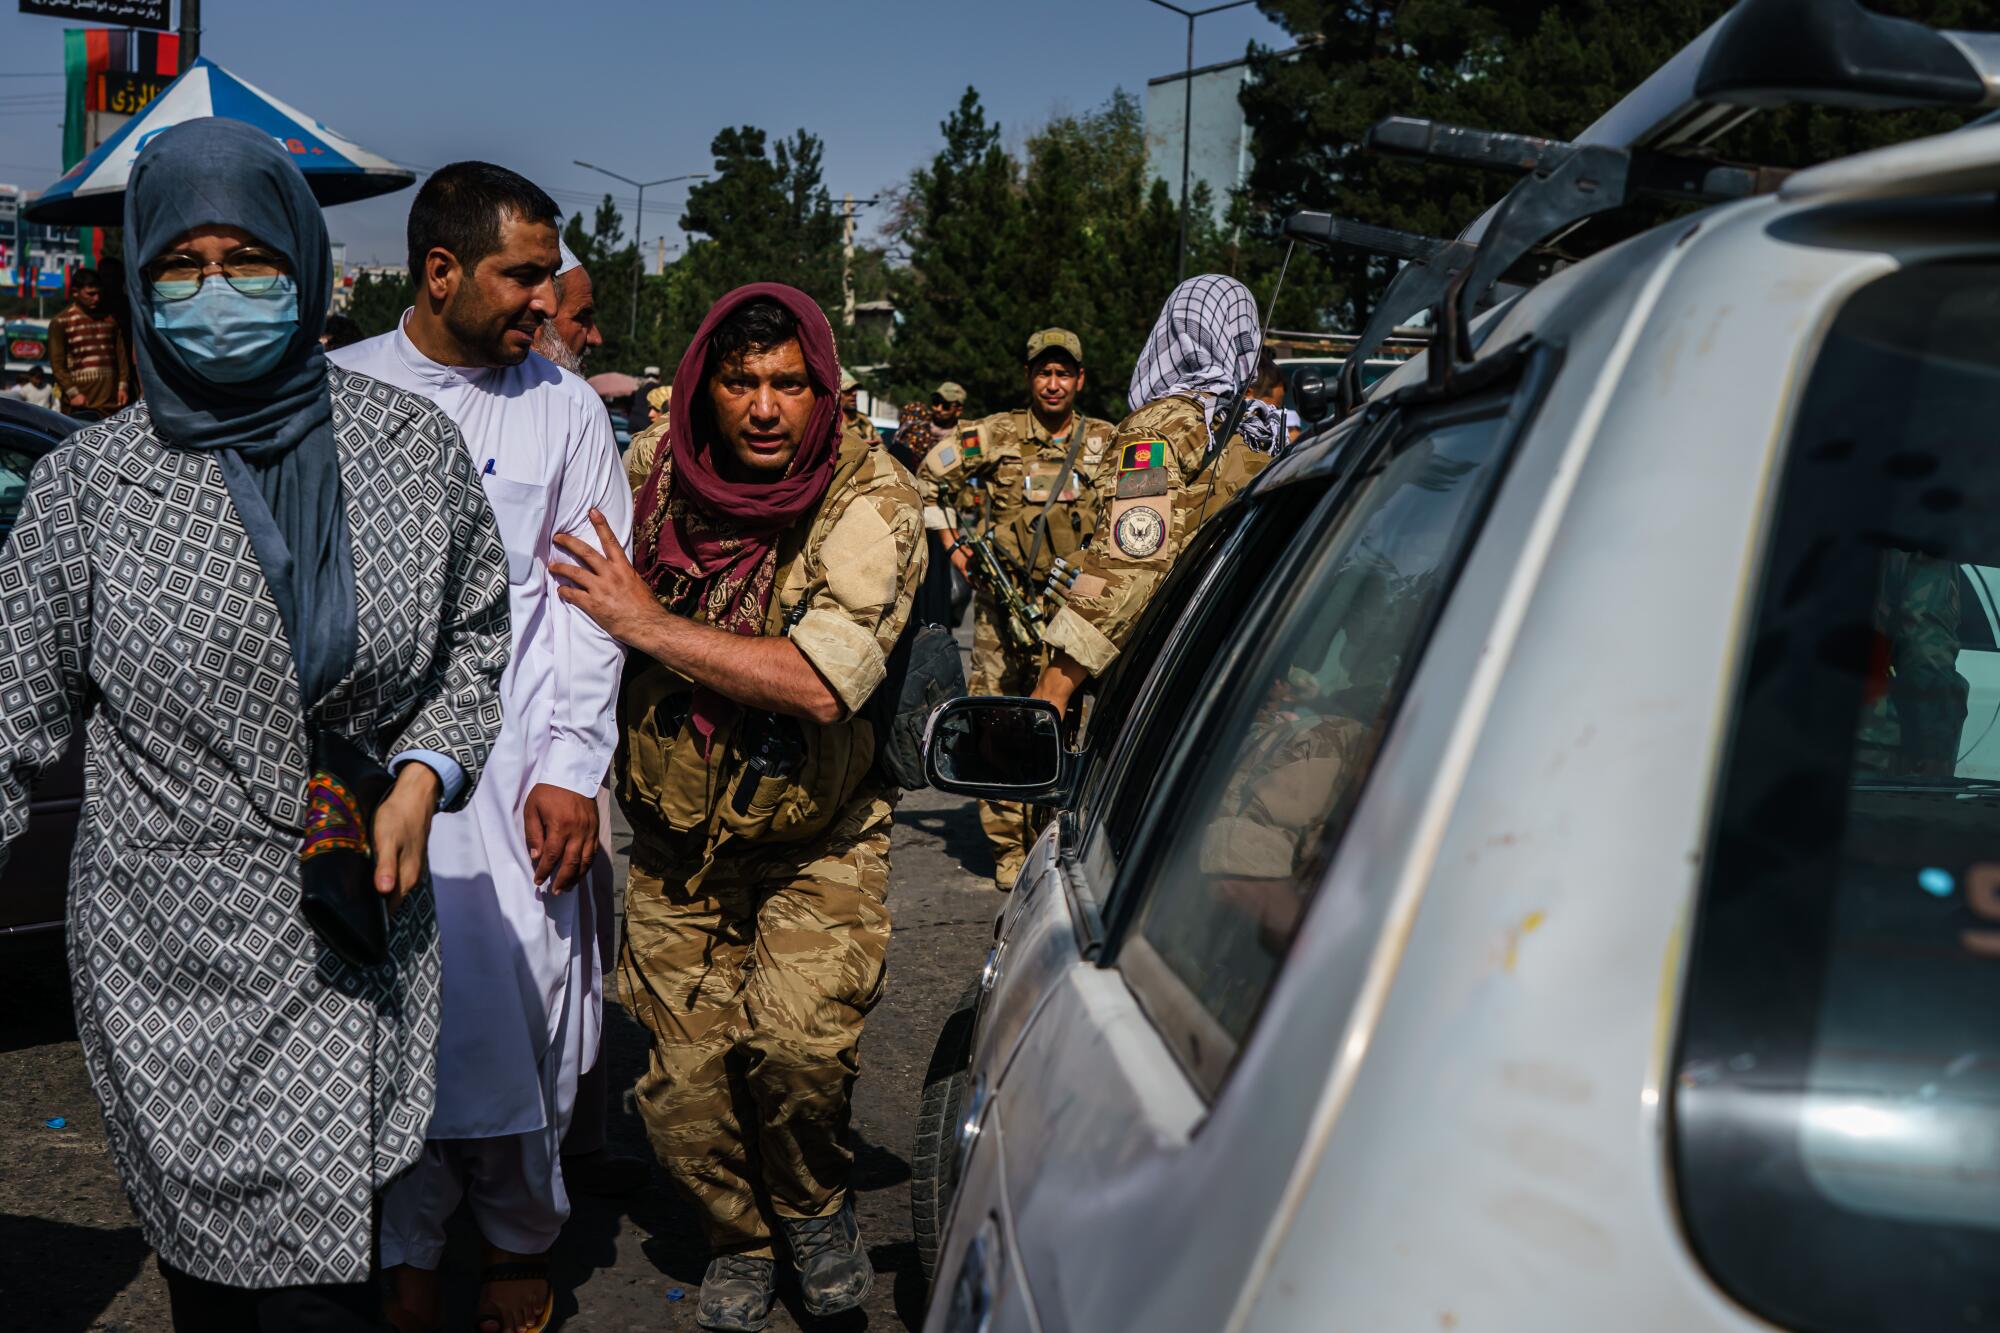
{"x":1187,"y":106}
{"x":190,"y":33}
{"x":639,"y":225}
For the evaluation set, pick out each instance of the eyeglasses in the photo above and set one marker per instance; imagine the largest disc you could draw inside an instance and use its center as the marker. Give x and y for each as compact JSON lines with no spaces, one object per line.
{"x":254,"y":272}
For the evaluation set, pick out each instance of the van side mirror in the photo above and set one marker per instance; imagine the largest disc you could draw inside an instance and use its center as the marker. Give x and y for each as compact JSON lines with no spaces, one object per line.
{"x":999,"y":748}
{"x":1310,"y":395}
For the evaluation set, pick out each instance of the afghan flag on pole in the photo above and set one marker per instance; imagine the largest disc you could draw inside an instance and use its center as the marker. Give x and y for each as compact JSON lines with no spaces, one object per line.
{"x":90,"y":57}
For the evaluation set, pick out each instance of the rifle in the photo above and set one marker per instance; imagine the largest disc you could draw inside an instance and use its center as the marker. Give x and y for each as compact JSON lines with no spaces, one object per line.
{"x":994,"y":572}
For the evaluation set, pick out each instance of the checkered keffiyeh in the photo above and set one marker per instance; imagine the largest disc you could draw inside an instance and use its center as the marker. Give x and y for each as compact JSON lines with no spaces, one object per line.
{"x":1205,"y":343}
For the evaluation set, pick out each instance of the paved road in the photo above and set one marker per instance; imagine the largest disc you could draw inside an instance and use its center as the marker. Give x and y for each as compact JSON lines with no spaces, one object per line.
{"x":72,"y":1258}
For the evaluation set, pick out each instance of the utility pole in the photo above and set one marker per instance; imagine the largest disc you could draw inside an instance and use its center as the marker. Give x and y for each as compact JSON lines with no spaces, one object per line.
{"x":638,"y":224}
{"x":1187,"y":107}
{"x":190,"y":33}
{"x":847,"y":261}
{"x":848,"y":203}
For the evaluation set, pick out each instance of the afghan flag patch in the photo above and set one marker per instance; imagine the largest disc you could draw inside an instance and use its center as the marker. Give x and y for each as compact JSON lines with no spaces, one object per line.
{"x":1142,"y":454}
{"x":1142,"y":469}
{"x":968,"y":445}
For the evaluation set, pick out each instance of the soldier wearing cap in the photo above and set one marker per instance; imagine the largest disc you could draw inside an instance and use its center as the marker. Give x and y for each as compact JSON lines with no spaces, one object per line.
{"x":1031,"y":476}
{"x":639,"y":453}
{"x":918,"y":427}
{"x":851,"y":420}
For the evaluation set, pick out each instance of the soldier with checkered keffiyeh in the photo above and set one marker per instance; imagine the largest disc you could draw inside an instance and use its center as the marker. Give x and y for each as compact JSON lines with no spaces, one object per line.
{"x":1158,"y":484}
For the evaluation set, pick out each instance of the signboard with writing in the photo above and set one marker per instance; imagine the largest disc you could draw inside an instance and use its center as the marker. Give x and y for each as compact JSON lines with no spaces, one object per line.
{"x":125,"y":93}
{"x":121,"y":13}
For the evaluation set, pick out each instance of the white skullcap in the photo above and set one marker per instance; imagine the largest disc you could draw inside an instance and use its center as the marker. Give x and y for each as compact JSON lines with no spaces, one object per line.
{"x":569,"y":260}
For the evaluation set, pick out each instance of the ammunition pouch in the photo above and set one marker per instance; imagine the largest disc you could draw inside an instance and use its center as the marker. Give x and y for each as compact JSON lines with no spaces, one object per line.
{"x":787,"y":781}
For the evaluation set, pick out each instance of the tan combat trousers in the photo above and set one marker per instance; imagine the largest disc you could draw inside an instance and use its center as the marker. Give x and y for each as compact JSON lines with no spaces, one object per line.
{"x":754,"y":987}
{"x":1011,"y":827}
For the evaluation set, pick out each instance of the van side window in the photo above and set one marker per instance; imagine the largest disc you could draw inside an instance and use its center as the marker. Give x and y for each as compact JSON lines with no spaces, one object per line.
{"x":1284,"y":756}
{"x":1836,"y":1092}
{"x":15,"y":465}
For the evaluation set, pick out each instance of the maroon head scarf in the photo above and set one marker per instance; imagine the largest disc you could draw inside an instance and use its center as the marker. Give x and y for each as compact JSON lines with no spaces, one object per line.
{"x":708,"y":544}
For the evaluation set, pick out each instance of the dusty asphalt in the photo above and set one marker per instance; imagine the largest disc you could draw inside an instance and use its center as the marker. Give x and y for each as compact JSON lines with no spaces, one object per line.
{"x":72,"y":1258}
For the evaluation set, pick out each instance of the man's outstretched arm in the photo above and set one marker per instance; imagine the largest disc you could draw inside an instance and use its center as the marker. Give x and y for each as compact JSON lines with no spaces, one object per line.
{"x":767,"y":673}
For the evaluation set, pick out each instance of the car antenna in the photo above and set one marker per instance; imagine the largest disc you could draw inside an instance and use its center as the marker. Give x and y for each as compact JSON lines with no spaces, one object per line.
{"x":1219,"y":438}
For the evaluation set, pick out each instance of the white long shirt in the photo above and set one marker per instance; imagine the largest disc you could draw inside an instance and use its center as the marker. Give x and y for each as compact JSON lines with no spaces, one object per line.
{"x":523,"y":988}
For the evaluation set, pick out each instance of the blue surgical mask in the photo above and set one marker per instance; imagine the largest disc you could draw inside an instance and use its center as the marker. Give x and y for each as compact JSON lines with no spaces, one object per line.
{"x":226,"y":336}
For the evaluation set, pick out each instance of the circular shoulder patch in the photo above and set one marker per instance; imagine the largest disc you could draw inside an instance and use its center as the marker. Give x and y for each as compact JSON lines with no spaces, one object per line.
{"x":1140,"y":531}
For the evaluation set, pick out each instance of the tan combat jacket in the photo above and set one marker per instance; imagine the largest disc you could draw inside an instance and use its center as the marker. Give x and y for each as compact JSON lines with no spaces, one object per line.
{"x":1016,"y":462}
{"x":846,"y":580}
{"x":640,"y":453}
{"x":1150,"y":512}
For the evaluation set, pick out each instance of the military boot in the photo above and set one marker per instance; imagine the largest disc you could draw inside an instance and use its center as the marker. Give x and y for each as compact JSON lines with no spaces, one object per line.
{"x":737,"y":1293}
{"x":834,"y":1273}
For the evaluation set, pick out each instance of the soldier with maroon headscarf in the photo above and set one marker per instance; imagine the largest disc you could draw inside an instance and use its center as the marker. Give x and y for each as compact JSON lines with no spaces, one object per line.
{"x":776,"y":559}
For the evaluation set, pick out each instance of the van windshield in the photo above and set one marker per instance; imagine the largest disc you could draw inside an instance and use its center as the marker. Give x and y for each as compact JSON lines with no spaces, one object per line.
{"x":1837,"y":1096}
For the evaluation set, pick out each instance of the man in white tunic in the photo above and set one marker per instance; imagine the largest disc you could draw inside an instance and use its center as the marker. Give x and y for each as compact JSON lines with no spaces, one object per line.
{"x":522,"y":977}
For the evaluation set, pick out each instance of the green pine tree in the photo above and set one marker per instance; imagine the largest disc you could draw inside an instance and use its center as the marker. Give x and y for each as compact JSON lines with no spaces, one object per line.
{"x":1543,"y":67}
{"x":376,"y":304}
{"x":958,"y":313}
{"x":763,"y":216}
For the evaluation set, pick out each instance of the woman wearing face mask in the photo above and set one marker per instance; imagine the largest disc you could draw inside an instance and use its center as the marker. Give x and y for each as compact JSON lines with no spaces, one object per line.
{"x":265,"y":562}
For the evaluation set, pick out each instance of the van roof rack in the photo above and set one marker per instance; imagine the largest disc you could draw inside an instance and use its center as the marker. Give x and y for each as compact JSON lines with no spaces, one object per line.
{"x":1323,"y":231}
{"x":1761,"y":54}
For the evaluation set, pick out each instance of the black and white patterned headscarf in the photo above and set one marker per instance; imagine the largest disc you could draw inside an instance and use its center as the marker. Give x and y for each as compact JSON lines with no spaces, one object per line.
{"x":1205,"y":343}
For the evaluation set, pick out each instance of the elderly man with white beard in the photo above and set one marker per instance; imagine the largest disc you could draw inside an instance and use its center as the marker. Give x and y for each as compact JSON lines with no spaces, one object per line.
{"x":571,"y":334}
{"x":567,"y":338}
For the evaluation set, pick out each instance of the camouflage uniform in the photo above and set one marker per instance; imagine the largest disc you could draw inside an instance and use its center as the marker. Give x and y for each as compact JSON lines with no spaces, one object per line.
{"x":915,"y":434}
{"x":1016,"y":462}
{"x":640,"y":453}
{"x":1914,"y":714}
{"x":1149,"y":513}
{"x":861,"y":428}
{"x":756,"y":915}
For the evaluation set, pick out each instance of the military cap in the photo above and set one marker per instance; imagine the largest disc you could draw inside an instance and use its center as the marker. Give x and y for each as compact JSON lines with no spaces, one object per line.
{"x":1058,"y":340}
{"x":847,"y":380}
{"x":950,"y":391}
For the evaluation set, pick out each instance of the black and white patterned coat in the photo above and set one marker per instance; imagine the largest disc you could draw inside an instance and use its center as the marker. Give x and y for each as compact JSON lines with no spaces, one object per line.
{"x":257,"y":1092}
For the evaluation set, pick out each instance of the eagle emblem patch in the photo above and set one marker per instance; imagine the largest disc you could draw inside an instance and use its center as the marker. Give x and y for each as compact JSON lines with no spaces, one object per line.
{"x":1140,"y":531}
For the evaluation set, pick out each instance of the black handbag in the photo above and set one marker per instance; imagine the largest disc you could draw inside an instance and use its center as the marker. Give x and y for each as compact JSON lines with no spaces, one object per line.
{"x":337,"y":855}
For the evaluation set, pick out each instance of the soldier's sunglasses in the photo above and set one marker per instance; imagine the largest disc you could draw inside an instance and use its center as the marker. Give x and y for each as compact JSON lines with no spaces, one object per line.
{"x":178,"y":276}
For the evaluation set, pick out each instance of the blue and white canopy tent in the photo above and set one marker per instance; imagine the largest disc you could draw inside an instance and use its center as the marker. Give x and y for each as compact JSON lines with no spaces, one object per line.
{"x":92,"y":193}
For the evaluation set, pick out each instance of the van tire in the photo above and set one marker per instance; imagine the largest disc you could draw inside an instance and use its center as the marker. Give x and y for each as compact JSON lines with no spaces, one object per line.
{"x":934,"y":1163}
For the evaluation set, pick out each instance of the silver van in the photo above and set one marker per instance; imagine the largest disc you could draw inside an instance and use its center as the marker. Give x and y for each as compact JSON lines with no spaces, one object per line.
{"x":1537,"y":867}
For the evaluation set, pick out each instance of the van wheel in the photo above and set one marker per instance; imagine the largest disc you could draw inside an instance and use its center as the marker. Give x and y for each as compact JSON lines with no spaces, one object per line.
{"x":934,"y":1164}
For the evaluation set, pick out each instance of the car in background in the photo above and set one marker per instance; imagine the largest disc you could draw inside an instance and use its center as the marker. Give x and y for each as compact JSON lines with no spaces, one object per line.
{"x":35,"y":883}
{"x":25,"y":344}
{"x":1309,"y":380}
{"x":1536,"y":865}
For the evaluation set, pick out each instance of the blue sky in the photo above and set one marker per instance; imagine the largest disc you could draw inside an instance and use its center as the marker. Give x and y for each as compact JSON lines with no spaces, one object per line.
{"x":641,"y":86}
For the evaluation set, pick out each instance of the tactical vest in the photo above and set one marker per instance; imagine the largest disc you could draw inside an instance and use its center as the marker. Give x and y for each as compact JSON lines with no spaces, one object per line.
{"x":1022,"y":486}
{"x":765,"y":778}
